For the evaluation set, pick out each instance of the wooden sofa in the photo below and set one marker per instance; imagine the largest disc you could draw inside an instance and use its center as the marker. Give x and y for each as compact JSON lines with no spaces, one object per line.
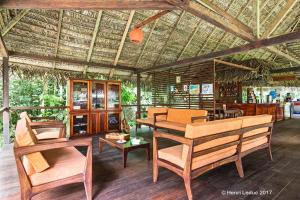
{"x":50,"y":129}
{"x":49,"y":164}
{"x":149,"y":121}
{"x":177,"y":119}
{"x":208,"y":145}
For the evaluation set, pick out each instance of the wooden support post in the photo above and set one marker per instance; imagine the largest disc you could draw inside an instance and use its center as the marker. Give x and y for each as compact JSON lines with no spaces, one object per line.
{"x":5,"y":78}
{"x":138,"y":93}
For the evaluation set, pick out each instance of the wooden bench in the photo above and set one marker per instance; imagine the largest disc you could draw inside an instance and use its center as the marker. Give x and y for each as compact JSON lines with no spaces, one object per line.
{"x":177,"y":119}
{"x":209,"y":145}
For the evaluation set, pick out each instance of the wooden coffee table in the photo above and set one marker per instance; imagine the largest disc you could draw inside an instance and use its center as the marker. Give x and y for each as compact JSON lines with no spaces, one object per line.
{"x":125,"y":147}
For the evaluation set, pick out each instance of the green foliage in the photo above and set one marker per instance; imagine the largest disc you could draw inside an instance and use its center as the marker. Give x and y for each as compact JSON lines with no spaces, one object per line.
{"x":128,"y":94}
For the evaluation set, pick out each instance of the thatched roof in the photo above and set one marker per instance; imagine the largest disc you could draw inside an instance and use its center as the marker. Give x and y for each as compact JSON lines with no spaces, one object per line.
{"x":175,"y":36}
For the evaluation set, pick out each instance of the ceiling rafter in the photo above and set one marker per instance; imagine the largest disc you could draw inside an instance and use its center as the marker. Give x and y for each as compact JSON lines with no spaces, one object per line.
{"x":3,"y":50}
{"x":215,"y":28}
{"x":146,"y":43}
{"x":92,"y":44}
{"x":224,"y":34}
{"x":13,"y":22}
{"x":122,"y":42}
{"x":61,"y":13}
{"x":280,"y":16}
{"x":190,"y":39}
{"x":169,"y":37}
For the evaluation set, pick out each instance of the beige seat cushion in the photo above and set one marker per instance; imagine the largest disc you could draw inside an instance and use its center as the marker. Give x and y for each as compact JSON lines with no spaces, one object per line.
{"x":152,"y":110}
{"x":196,"y":130}
{"x":171,"y":125}
{"x":255,"y":120}
{"x":34,"y":162}
{"x":254,"y":143}
{"x":47,"y":133}
{"x":184,"y":116}
{"x":174,"y":155}
{"x":147,"y":121}
{"x":64,"y":162}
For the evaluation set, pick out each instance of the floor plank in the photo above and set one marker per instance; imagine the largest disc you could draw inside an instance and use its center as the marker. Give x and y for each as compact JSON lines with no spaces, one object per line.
{"x":277,"y":180}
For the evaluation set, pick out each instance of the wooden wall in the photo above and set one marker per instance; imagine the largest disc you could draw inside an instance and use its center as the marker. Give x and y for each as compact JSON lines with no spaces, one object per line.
{"x":162,"y":81}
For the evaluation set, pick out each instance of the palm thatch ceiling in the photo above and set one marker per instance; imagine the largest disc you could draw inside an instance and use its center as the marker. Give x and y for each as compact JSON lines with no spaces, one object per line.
{"x":101,"y":37}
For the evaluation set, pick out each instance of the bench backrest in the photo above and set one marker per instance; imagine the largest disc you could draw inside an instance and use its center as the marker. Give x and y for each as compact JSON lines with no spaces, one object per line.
{"x":213,"y":140}
{"x":184,"y":116}
{"x":249,"y":121}
{"x":152,"y":110}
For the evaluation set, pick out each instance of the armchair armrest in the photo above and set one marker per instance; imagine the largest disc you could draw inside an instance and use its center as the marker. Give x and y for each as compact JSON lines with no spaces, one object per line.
{"x":158,"y":114}
{"x":20,"y":151}
{"x":44,"y":141}
{"x":52,"y":124}
{"x":199,"y":117}
{"x":138,"y":113}
{"x":52,"y":118}
{"x":180,"y":139}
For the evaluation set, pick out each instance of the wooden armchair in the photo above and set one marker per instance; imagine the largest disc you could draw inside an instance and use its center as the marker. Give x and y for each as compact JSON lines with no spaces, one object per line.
{"x":50,"y":129}
{"x":51,"y":163}
{"x":149,"y":121}
{"x":204,"y":147}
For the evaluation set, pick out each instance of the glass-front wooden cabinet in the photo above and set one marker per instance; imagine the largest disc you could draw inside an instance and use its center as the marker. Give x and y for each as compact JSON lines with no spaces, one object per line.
{"x":95,"y":106}
{"x":79,"y":95}
{"x":79,"y":124}
{"x":98,"y":95}
{"x":113,"y":96}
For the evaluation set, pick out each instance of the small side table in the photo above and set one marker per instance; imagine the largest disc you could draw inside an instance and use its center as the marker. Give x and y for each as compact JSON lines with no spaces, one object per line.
{"x":125,"y":147}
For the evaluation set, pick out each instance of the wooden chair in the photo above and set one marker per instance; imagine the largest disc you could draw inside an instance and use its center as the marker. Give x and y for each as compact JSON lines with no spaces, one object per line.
{"x":205,"y":146}
{"x":232,"y":113}
{"x":66,"y":164}
{"x":50,"y":129}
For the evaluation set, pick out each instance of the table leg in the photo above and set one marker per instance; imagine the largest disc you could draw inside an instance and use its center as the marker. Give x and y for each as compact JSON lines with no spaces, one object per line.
{"x":125,"y":152}
{"x":148,"y":152}
{"x":101,"y":144}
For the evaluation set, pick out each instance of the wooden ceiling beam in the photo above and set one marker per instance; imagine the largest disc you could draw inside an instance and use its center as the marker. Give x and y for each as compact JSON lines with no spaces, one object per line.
{"x":234,"y":65}
{"x":289,"y":37}
{"x":90,"y":4}
{"x":122,"y":42}
{"x":280,"y":16}
{"x":13,"y":22}
{"x":286,"y":69}
{"x":68,"y":61}
{"x":204,"y":13}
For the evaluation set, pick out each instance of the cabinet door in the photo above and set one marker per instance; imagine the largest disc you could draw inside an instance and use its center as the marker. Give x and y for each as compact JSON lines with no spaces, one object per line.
{"x":113,"y":121}
{"x":79,"y":124}
{"x":113,"y":96}
{"x":98,"y":93}
{"x":98,"y":122}
{"x":79,"y":96}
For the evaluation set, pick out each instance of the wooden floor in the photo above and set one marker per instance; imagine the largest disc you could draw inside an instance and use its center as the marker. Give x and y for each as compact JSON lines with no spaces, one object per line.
{"x":279,"y":179}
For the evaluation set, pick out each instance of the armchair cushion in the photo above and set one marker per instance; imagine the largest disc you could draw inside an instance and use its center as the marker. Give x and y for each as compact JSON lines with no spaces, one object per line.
{"x":47,"y":133}
{"x":152,"y":110}
{"x":64,"y":162}
{"x":174,"y":155}
{"x":184,"y":116}
{"x":171,"y":125}
{"x":254,"y":143}
{"x":255,"y":120}
{"x":34,"y":162}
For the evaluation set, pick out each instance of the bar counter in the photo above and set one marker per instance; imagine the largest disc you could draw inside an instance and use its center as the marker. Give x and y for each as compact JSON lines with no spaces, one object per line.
{"x":274,"y":109}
